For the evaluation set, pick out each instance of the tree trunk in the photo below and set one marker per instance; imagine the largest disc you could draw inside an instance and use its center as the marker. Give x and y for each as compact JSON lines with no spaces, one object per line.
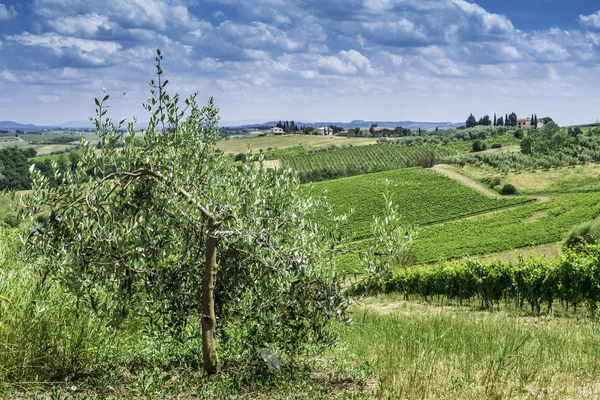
{"x":209,"y":320}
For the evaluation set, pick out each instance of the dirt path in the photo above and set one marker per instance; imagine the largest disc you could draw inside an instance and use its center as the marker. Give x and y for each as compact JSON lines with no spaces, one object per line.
{"x":466,"y":181}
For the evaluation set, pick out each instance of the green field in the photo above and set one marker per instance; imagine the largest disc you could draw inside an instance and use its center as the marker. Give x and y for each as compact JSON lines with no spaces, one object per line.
{"x":527,"y":225}
{"x":421,"y":195}
{"x":380,"y":157}
{"x":235,"y":146}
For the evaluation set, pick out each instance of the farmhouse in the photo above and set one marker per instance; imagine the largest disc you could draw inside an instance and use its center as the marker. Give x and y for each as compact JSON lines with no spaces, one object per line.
{"x":324,"y":131}
{"x":277,"y":131}
{"x":381,"y":131}
{"x":524,"y":123}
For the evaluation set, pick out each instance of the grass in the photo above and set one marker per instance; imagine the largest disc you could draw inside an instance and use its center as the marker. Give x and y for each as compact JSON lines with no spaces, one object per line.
{"x":422,"y":196}
{"x":419,"y":351}
{"x":581,"y":178}
{"x":235,"y":146}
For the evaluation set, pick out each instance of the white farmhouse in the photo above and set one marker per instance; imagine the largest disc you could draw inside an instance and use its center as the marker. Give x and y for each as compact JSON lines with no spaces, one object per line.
{"x":325,"y":131}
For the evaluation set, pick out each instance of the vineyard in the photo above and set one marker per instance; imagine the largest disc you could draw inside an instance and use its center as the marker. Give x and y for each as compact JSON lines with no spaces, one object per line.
{"x":528,"y":225}
{"x":422,"y":196}
{"x":324,"y":164}
{"x":573,"y":280}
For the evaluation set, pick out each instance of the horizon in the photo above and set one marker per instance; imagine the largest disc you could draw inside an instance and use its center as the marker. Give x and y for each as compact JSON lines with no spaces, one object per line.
{"x":392,"y":60}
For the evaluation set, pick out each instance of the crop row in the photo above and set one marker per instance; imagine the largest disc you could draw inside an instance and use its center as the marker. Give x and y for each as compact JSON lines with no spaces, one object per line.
{"x":573,"y":280}
{"x":528,"y":225}
{"x":421,"y":195}
{"x":356,"y":160}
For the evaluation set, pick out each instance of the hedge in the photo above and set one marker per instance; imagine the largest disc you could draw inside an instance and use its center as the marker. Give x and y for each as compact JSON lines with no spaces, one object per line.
{"x":572,"y":280}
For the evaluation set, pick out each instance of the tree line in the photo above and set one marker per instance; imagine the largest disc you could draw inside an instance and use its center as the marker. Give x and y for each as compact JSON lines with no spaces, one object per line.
{"x":507,"y":120}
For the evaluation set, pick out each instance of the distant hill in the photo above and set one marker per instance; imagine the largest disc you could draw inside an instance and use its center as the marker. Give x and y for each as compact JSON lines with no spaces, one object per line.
{"x":16,"y":125}
{"x":413,"y":125}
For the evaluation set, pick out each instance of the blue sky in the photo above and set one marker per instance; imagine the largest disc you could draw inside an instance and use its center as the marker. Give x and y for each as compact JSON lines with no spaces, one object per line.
{"x":308,"y":60}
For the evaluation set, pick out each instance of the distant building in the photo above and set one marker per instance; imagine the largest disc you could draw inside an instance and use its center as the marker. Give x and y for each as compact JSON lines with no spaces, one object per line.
{"x":380,"y":131}
{"x":524,"y":123}
{"x":277,"y":131}
{"x":324,"y":131}
{"x":346,"y":133}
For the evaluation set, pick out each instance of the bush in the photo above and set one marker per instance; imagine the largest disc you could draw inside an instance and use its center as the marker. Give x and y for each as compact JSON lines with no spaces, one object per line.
{"x":509,"y":189}
{"x":583,"y":234}
{"x":519,"y":134}
{"x":11,"y":221}
{"x":478,"y":146}
{"x":496,"y":146}
{"x":495,"y":181}
{"x":240,"y":157}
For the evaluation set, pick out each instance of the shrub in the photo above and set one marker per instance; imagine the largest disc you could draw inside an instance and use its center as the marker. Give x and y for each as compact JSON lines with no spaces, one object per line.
{"x":519,"y":134}
{"x":478,"y":146}
{"x":496,"y":146}
{"x":240,"y":157}
{"x":509,"y":189}
{"x":583,"y":234}
{"x":495,"y":181}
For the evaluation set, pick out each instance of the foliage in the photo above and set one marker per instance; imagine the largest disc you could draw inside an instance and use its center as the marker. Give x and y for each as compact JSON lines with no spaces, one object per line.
{"x":14,"y":169}
{"x":391,"y":247}
{"x":519,"y":134}
{"x":573,"y":280}
{"x":544,"y":148}
{"x":44,"y":335}
{"x":495,"y":181}
{"x":138,"y":231}
{"x":478,"y":146}
{"x":583,"y":234}
{"x":508,"y":189}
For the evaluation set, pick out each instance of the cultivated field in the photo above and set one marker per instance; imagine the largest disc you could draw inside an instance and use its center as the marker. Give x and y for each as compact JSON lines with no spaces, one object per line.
{"x":235,"y":146}
{"x":422,"y":196}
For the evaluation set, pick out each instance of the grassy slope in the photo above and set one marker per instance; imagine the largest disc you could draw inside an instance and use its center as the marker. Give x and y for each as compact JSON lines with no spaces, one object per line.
{"x":235,"y":146}
{"x":419,"y":351}
{"x":423,"y":197}
{"x":581,"y":178}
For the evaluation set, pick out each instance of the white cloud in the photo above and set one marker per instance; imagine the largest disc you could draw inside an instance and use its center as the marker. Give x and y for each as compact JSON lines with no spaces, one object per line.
{"x":88,"y":25}
{"x":128,"y":14}
{"x":7,"y":13}
{"x":92,"y":52}
{"x":591,"y":22}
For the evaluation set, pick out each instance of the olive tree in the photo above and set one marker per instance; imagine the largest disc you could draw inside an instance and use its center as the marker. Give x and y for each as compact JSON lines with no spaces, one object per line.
{"x":165,"y":225}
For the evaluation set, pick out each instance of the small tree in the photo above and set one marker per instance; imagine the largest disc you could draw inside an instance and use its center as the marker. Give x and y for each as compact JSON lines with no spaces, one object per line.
{"x":478,"y":146}
{"x":166,"y":227}
{"x":471,"y":121}
{"x":391,"y":247}
{"x":508,"y":189}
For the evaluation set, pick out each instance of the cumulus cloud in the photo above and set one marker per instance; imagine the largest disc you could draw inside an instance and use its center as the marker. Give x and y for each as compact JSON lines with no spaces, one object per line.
{"x":7,"y":13}
{"x":89,"y":52}
{"x":128,"y":14}
{"x":591,"y":22}
{"x":237,"y":48}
